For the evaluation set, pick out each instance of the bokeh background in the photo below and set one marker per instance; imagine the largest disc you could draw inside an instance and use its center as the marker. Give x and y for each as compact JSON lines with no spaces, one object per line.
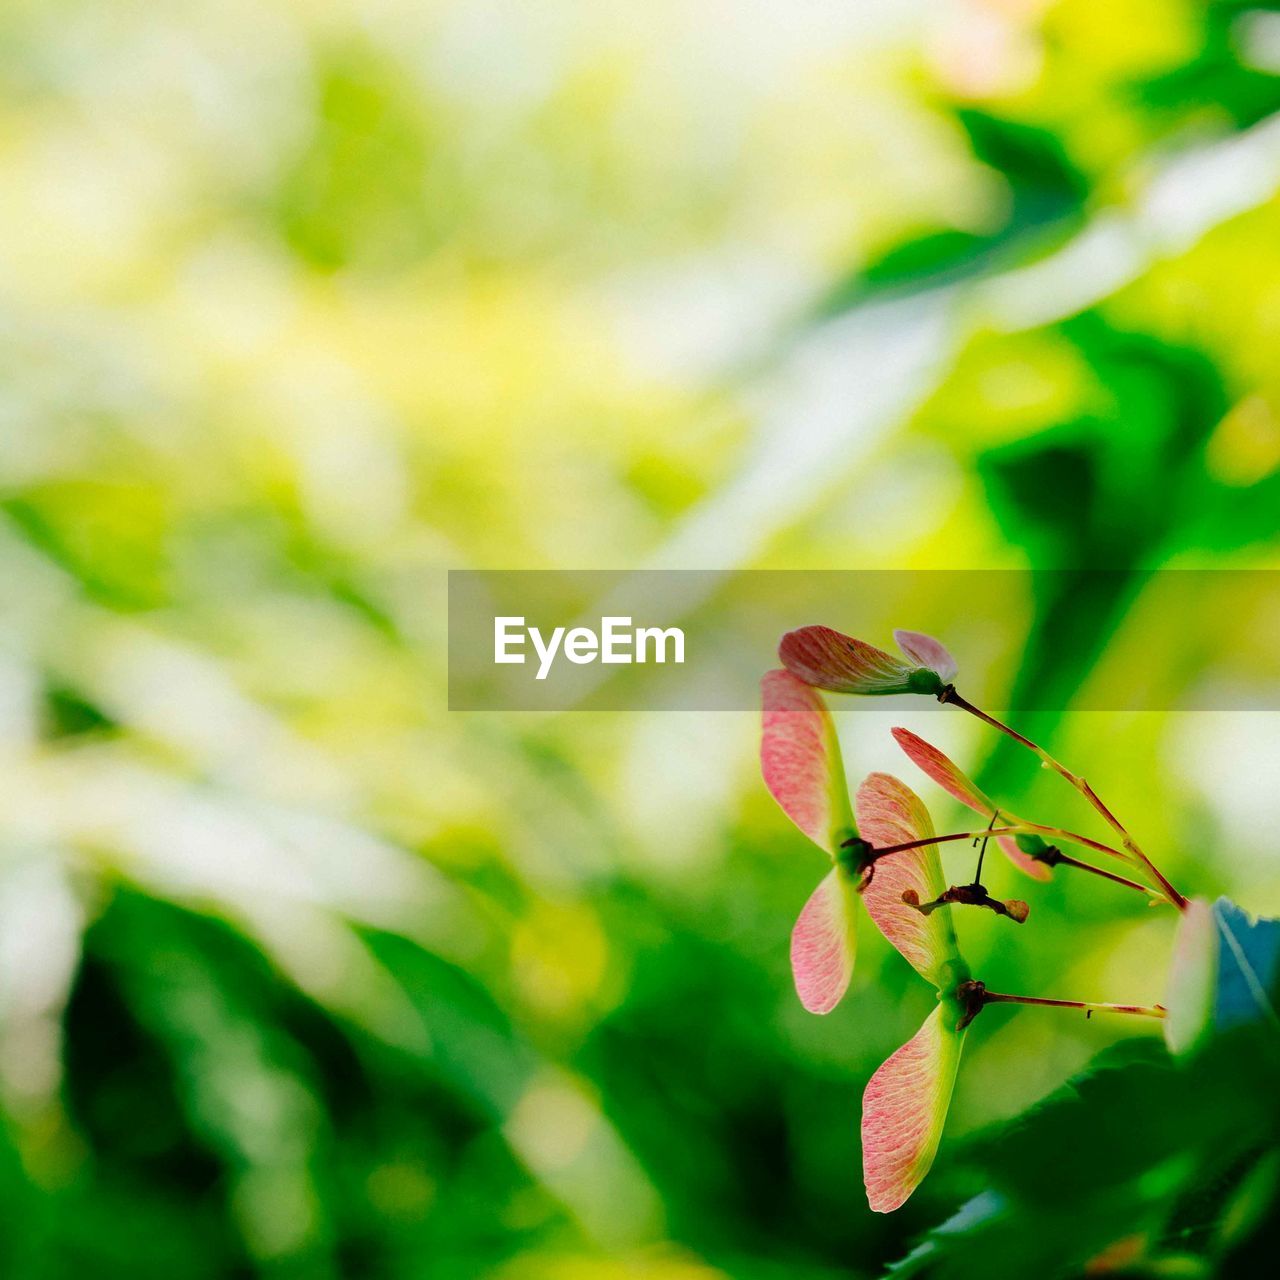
{"x":303,"y":302}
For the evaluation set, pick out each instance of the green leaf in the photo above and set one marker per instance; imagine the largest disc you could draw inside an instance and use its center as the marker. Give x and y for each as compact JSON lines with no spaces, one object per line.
{"x":970,"y":1217}
{"x":1127,"y":1167}
{"x":1225,"y":973}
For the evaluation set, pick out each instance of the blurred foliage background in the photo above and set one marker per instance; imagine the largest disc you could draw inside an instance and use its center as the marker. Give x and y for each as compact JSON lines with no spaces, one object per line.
{"x":302,"y":303}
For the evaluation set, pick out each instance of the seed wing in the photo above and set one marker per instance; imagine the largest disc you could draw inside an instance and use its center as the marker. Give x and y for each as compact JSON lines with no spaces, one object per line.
{"x":927,"y":652}
{"x":953,"y":780}
{"x":800,"y":760}
{"x":830,"y":660}
{"x":904,"y":1110}
{"x":890,"y":813}
{"x":823,"y":943}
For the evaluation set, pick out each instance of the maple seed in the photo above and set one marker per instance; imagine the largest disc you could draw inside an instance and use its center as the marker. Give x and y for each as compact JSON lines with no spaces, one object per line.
{"x":827,"y":659}
{"x":969,"y":895}
{"x":800,"y":760}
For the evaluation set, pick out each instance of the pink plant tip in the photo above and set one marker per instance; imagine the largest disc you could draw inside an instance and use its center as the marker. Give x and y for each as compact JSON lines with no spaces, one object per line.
{"x":828,"y":659}
{"x":953,"y":780}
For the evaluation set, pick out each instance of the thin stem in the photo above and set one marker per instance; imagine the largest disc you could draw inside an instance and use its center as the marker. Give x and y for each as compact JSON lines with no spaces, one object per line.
{"x":1138,"y":1010}
{"x":982,"y":851}
{"x":1063,"y":858}
{"x":957,"y":835}
{"x":950,"y":695}
{"x":1066,"y":860}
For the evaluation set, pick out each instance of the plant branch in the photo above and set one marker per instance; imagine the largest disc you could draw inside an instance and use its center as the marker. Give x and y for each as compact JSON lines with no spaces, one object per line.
{"x":950,"y":695}
{"x":1072,"y":837}
{"x":1062,"y":859}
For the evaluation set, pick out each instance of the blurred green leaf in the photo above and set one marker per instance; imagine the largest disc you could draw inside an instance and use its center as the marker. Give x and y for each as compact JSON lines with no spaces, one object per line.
{"x":1225,"y":973}
{"x":1128,"y":1162}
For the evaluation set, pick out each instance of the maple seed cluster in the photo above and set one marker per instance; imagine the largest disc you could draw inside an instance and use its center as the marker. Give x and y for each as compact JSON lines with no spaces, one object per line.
{"x":884,"y":853}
